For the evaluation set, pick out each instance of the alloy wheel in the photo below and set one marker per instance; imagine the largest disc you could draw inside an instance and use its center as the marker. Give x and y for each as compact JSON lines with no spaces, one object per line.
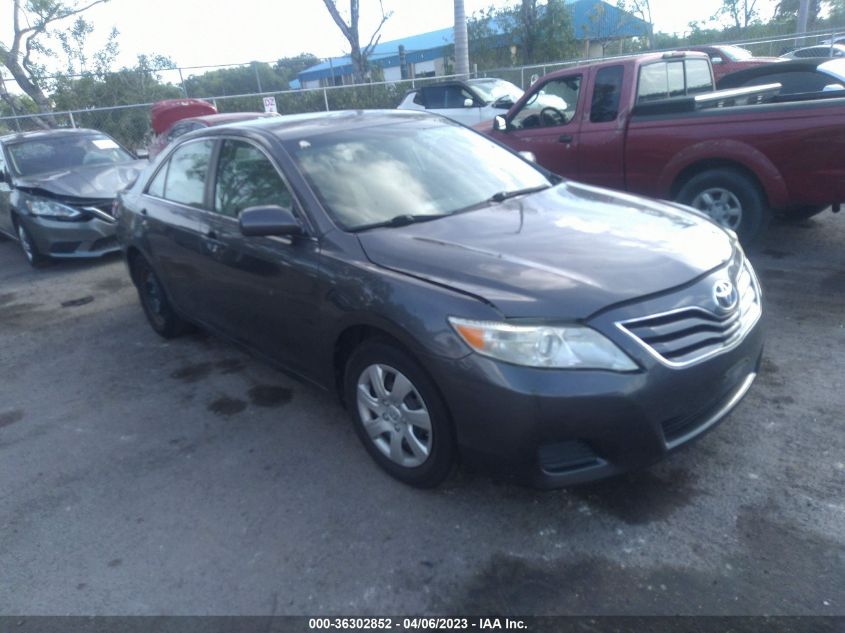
{"x":26,"y":244}
{"x":721,"y":205}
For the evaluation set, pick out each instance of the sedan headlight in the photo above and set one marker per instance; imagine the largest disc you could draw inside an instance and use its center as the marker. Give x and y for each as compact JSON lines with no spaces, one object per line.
{"x":567,"y":347}
{"x":52,"y":209}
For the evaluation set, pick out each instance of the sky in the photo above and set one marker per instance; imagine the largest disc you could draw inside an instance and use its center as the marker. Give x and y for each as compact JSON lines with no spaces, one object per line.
{"x":218,"y":32}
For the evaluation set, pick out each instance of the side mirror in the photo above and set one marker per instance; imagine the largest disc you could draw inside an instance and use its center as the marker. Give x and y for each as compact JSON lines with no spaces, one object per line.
{"x":468,"y":103}
{"x":717,"y":60}
{"x":529,"y":156}
{"x":142,"y":153}
{"x":500,"y":124}
{"x":270,"y":220}
{"x":503,"y":103}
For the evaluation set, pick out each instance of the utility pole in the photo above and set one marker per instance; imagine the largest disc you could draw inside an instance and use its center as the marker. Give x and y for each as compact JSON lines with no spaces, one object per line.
{"x":461,"y":40}
{"x":803,"y":15}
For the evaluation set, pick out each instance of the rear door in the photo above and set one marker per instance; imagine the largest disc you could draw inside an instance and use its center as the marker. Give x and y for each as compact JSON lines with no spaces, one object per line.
{"x":602,"y":135}
{"x":263,"y":290}
{"x":548,"y":124}
{"x":454,"y":101}
{"x":172,"y":213}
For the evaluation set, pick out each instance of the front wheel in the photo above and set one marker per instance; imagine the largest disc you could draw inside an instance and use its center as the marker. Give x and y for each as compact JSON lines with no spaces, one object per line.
{"x":731,"y":199}
{"x":29,"y":248}
{"x":399,"y":415}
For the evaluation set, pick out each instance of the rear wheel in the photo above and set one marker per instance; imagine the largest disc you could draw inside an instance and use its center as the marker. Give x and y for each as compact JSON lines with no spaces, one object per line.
{"x":731,"y":199}
{"x":160,"y":313}
{"x":28,"y":246}
{"x":399,"y":415}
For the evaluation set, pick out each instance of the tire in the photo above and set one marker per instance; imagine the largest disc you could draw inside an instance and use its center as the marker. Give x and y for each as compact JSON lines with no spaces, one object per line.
{"x":410,"y":438}
{"x":28,"y":246}
{"x":732,"y":199}
{"x":157,"y":307}
{"x":803,"y":213}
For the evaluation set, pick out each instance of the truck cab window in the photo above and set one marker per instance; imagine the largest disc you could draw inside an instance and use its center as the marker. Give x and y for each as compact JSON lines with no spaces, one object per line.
{"x":606,"y":93}
{"x":552,"y":105}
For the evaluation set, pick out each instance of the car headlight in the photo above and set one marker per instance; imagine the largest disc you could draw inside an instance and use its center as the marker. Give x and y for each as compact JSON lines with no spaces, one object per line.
{"x":52,"y":209}
{"x":558,"y":347}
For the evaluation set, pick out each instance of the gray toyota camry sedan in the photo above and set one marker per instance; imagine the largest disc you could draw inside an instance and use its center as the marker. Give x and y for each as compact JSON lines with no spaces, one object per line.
{"x":465,"y":304}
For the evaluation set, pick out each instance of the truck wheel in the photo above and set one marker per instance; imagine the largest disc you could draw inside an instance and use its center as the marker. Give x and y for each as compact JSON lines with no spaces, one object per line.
{"x":399,"y":414}
{"x":731,"y":199}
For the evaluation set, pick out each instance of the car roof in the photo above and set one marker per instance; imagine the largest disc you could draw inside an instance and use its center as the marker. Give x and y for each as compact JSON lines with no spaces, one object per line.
{"x":56,"y":133}
{"x":809,"y":64}
{"x":295,"y":126}
{"x":641,"y":60}
{"x":227,"y":117}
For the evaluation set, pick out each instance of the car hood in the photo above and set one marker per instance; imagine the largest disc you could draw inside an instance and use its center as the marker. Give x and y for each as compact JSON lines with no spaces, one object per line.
{"x":88,"y":182}
{"x":564,"y":253}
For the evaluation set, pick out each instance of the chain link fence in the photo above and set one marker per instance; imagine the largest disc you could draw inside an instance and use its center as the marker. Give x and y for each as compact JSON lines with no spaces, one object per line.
{"x":131,"y":126}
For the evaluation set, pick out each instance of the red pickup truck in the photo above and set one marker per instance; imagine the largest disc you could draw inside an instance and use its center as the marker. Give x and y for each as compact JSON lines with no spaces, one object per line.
{"x":653,"y":125}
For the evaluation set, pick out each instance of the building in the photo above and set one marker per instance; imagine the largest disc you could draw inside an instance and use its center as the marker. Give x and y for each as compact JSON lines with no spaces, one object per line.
{"x":596,"y":24}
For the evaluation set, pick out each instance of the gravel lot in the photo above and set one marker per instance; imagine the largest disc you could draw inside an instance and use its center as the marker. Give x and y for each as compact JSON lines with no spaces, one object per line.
{"x":139,"y":476}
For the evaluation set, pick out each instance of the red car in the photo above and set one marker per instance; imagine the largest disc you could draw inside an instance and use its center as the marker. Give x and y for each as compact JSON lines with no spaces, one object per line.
{"x":728,"y":59}
{"x":174,"y":117}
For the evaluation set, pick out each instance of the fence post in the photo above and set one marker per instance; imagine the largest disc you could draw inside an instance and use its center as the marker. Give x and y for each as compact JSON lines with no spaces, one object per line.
{"x":182,"y":81}
{"x":326,"y":98}
{"x":72,"y":122}
{"x":522,"y":77}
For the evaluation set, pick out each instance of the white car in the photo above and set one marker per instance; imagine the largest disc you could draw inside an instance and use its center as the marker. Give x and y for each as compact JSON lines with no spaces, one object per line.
{"x":468,"y":102}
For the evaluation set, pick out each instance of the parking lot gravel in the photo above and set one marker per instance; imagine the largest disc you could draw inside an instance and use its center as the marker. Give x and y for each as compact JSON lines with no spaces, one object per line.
{"x":141,"y":476}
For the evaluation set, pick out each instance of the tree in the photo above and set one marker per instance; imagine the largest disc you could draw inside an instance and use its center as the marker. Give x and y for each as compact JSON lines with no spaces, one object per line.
{"x":527,"y":33}
{"x":740,"y":12}
{"x":642,"y":10}
{"x":360,"y":56}
{"x":31,"y":22}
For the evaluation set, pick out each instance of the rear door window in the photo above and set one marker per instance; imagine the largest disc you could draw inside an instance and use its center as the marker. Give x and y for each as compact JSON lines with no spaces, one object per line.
{"x":187,"y":170}
{"x":606,"y":94}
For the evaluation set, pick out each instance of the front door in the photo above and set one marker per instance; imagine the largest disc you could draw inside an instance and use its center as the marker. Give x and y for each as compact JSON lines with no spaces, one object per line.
{"x":264,"y":289}
{"x":548,"y":124}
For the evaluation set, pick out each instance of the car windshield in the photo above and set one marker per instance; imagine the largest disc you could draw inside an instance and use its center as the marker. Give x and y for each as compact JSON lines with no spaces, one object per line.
{"x":492,"y":90}
{"x":48,"y":154}
{"x":736,"y":53}
{"x":418,"y":168}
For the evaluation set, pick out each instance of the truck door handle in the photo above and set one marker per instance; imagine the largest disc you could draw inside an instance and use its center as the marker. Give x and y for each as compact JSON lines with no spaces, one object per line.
{"x":211,"y":234}
{"x":144,"y":212}
{"x":565,"y":138}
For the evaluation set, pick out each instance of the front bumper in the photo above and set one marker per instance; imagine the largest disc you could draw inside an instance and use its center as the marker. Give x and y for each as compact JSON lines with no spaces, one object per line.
{"x":553,"y":428}
{"x":89,"y":238}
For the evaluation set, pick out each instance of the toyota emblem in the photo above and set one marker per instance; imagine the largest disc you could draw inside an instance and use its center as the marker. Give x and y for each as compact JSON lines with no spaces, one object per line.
{"x":725,"y":296}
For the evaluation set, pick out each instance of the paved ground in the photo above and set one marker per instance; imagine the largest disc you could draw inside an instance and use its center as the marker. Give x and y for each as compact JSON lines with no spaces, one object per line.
{"x":145,"y":477}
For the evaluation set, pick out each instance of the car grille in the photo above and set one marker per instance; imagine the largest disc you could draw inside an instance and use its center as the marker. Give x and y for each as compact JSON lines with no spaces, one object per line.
{"x":99,"y":208}
{"x":689,"y":335}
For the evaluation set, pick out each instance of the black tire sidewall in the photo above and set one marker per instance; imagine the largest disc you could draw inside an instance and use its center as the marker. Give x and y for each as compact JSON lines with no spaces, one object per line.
{"x":171,"y":324}
{"x":755,"y":213}
{"x":442,"y":458}
{"x":38,"y":260}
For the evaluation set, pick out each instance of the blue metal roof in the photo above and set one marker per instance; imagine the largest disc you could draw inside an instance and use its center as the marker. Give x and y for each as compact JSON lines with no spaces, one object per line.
{"x":592,"y":19}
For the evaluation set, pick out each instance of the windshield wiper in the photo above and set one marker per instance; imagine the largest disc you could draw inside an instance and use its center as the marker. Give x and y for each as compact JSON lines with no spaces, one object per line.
{"x":404,"y":220}
{"x":507,"y":195}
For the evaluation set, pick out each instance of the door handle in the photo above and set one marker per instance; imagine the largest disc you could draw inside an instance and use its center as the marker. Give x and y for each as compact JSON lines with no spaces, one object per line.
{"x":211,"y":234}
{"x":144,"y":212}
{"x":565,"y":138}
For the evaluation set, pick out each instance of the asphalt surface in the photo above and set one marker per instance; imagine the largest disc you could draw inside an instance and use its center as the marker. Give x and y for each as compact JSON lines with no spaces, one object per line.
{"x":139,"y":476}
